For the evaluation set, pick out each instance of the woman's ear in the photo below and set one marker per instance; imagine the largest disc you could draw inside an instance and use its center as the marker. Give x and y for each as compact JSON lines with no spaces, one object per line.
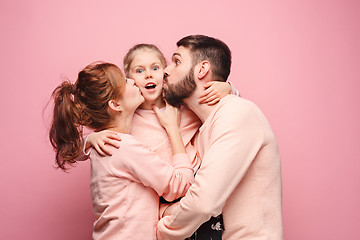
{"x":115,"y":106}
{"x":204,"y":69}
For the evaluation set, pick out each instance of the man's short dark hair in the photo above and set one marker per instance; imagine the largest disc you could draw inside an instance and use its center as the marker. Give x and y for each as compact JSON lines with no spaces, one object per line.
{"x":211,"y":49}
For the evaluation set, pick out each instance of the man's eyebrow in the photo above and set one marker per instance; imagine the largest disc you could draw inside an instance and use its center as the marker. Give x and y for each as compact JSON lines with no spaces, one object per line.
{"x":176,"y":54}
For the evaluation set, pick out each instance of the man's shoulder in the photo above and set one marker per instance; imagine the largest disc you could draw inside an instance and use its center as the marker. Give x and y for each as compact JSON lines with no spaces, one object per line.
{"x":235,"y":104}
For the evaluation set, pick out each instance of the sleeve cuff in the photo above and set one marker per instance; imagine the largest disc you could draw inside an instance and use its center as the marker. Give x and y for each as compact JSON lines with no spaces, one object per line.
{"x":86,"y":153}
{"x":234,"y":91}
{"x":181,"y":160}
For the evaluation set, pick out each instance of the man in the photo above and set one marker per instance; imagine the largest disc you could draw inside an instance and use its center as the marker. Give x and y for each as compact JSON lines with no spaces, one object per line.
{"x":240,"y":173}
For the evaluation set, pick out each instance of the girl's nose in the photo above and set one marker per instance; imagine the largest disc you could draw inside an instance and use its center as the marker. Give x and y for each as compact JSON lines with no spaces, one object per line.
{"x":148,"y":75}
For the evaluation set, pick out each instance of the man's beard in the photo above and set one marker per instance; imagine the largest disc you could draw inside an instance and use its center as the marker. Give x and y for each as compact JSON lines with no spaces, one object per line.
{"x":176,"y":93}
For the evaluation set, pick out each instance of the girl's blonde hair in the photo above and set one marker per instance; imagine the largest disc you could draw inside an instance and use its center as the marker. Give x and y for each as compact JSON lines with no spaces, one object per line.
{"x":129,"y":57}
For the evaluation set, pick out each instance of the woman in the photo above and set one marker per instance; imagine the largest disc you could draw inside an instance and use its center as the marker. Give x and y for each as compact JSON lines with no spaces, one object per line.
{"x":126,"y":186}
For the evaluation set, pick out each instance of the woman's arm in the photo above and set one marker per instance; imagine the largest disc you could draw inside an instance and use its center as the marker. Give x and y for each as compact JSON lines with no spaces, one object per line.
{"x":170,"y":179}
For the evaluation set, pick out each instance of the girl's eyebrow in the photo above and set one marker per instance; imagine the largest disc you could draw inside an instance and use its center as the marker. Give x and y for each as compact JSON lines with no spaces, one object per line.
{"x":141,"y":65}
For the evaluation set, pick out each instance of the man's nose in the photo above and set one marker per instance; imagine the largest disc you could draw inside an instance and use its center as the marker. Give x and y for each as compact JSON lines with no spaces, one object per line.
{"x":167,"y":71}
{"x":165,"y":76}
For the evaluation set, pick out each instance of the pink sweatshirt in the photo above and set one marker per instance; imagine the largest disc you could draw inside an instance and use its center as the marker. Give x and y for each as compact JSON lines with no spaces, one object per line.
{"x":126,"y":186}
{"x":147,"y":128}
{"x":239,"y":177}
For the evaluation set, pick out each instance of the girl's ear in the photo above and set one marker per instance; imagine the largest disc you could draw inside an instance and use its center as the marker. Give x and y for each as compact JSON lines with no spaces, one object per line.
{"x":115,"y":106}
{"x":204,"y":69}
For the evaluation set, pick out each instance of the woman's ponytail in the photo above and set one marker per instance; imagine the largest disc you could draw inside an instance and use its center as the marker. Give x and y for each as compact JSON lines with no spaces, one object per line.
{"x":84,"y":103}
{"x":66,"y":132}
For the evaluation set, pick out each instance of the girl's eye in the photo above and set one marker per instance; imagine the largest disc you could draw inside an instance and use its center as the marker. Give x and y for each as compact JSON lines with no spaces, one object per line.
{"x":177,"y":62}
{"x":155,"y":68}
{"x":126,"y":80}
{"x":139,"y":71}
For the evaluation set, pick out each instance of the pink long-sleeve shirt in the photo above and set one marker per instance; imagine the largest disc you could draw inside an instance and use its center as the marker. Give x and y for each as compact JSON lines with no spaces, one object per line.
{"x":147,"y":128}
{"x":239,"y":177}
{"x":126,"y":186}
{"x":126,"y":202}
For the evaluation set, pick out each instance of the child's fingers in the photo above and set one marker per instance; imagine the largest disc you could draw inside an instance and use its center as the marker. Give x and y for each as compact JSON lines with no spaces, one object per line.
{"x":204,"y":97}
{"x":208,"y":84}
{"x":114,"y":143}
{"x":206,"y":92}
{"x":100,"y":152}
{"x":106,"y":150}
{"x":158,"y":113}
{"x":156,"y":110}
{"x":114,"y":135}
{"x":216,"y":100}
{"x":211,"y":96}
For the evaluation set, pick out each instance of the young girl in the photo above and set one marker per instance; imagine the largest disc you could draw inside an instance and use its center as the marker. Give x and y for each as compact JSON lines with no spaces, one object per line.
{"x":145,"y":64}
{"x":126,"y":186}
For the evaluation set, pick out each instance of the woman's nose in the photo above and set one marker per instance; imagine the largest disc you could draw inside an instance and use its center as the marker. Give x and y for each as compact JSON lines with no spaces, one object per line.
{"x":131,"y":81}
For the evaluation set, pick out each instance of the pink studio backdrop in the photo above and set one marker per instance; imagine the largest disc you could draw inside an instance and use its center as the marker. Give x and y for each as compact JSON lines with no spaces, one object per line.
{"x":298,"y":60}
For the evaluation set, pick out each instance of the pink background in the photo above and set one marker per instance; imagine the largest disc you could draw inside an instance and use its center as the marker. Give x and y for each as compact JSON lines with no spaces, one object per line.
{"x":298,"y":60}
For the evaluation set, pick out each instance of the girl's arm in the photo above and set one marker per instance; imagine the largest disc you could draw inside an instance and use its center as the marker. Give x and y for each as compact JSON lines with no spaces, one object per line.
{"x":100,"y":141}
{"x":170,"y":120}
{"x":215,"y":90}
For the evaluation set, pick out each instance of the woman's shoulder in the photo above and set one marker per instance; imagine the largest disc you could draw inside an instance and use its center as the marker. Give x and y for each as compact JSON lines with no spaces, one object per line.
{"x":130,"y":143}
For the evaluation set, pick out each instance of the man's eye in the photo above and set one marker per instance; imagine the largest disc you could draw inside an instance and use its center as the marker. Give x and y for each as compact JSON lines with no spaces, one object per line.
{"x":126,"y":80}
{"x":177,"y":62}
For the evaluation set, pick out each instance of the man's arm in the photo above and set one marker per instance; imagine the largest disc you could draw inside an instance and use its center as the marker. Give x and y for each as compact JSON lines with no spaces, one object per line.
{"x":235,"y":138}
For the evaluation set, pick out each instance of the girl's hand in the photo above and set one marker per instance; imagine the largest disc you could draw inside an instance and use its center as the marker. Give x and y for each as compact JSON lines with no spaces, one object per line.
{"x":100,"y":140}
{"x":214,"y":91}
{"x":169,"y":118}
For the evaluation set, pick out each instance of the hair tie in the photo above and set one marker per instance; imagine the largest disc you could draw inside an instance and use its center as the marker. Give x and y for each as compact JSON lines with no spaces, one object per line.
{"x":73,"y":89}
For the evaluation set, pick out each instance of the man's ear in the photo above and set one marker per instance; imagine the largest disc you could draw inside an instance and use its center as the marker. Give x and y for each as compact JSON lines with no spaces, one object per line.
{"x":204,"y":69}
{"x":115,"y":106}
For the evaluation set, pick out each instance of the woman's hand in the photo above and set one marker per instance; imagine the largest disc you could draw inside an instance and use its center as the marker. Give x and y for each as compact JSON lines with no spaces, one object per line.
{"x":214,"y":91}
{"x":169,"y":118}
{"x":100,"y":140}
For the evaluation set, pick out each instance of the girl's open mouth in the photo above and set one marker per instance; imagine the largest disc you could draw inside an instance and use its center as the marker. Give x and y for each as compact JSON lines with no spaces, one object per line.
{"x":150,"y":86}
